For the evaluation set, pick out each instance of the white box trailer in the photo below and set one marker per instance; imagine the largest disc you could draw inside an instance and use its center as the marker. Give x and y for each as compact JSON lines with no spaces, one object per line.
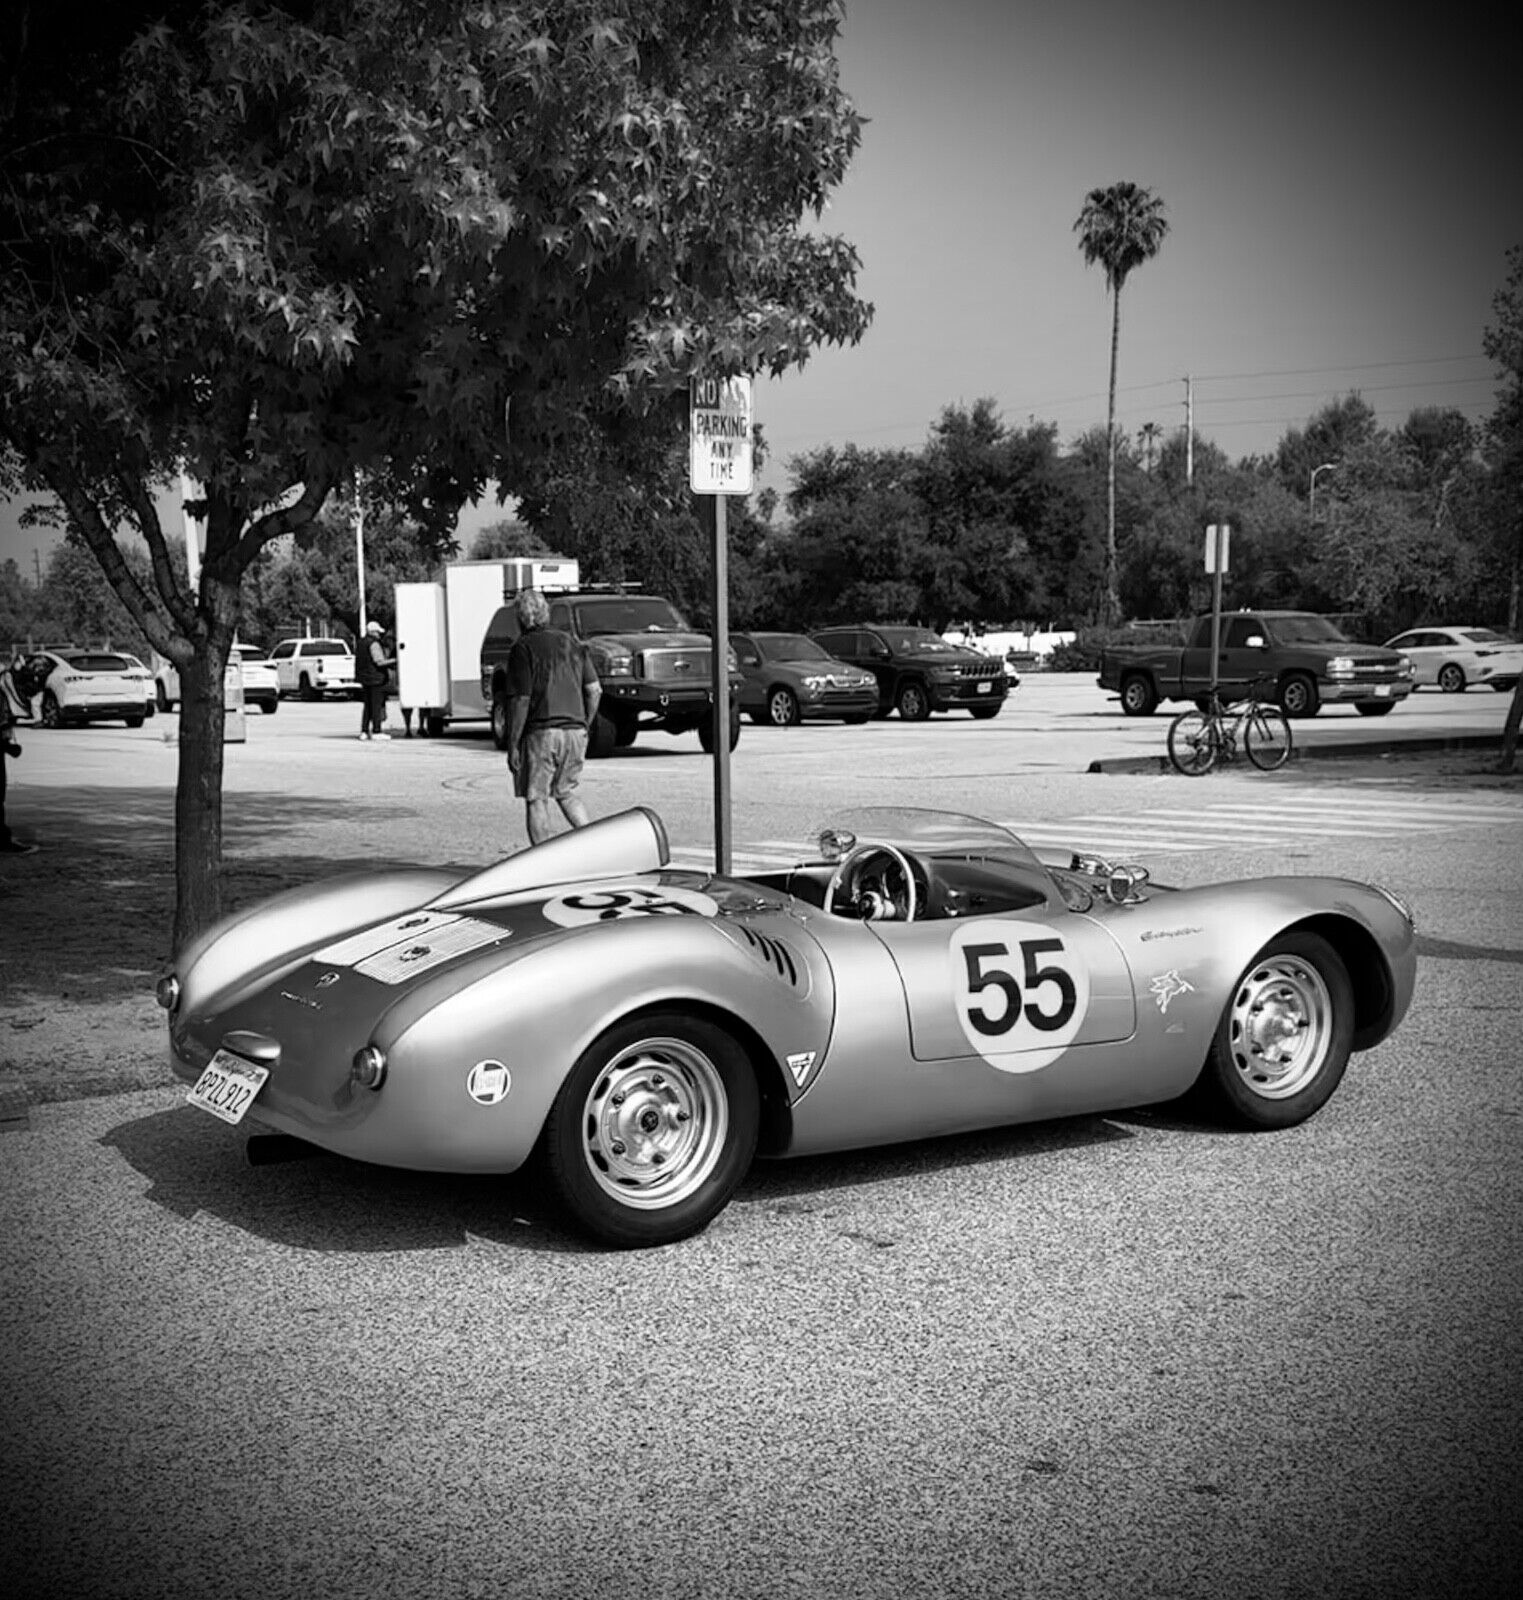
{"x":440,"y":627}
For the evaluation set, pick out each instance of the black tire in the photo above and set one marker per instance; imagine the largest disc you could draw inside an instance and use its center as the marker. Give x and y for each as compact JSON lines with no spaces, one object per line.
{"x":706,"y":730}
{"x":304,"y":689}
{"x":1504,"y":688}
{"x":1138,"y":696}
{"x":161,"y":699}
{"x":652,"y":1130}
{"x":1451,"y":678}
{"x":1285,"y":1034}
{"x":1267,"y":738}
{"x":912,"y":702}
{"x":1298,"y":696}
{"x":782,"y":707}
{"x":52,"y":713}
{"x":625,"y":731}
{"x":1375,"y":708}
{"x":984,"y":713}
{"x":268,"y":708}
{"x":600,"y":738}
{"x":856,"y":719}
{"x":500,"y":721}
{"x":134,"y":722}
{"x":1192,"y":744}
{"x":432,"y":725}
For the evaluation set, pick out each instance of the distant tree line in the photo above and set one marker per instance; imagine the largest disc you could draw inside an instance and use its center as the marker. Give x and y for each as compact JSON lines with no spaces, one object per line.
{"x":985,"y":523}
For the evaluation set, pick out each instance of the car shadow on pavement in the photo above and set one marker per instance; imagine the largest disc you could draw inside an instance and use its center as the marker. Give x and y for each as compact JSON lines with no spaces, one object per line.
{"x":197,"y":1166}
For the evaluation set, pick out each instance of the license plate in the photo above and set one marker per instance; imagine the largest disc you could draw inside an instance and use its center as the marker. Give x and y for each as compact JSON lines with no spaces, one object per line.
{"x":228,"y":1085}
{"x":985,"y":687}
{"x":1382,"y":688}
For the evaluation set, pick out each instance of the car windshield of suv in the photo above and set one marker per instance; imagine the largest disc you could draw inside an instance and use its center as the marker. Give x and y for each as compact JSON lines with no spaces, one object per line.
{"x":634,"y":614}
{"x":790,"y":647}
{"x":1308,"y":630}
{"x":922,"y":639}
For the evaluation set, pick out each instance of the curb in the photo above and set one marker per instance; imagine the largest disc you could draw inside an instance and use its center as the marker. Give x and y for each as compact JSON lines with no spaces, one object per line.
{"x":1320,"y":752}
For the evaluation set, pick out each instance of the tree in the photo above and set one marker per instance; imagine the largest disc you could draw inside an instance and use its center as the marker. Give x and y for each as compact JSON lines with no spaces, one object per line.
{"x":271,"y":244}
{"x":1120,"y":228}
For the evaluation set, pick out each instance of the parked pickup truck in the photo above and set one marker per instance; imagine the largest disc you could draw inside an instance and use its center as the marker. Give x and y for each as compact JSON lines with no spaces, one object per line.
{"x":654,"y":669}
{"x":1306,"y":659}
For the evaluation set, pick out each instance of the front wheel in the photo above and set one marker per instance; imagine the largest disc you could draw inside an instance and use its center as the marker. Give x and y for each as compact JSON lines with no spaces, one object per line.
{"x":1374,"y":708}
{"x":134,"y":722}
{"x":1298,"y":696}
{"x":706,"y":730}
{"x":1285,"y":1034}
{"x":984,"y":713}
{"x":1451,"y":678}
{"x":653,"y":1129}
{"x":602,"y":736}
{"x":501,"y":723}
{"x":1267,"y":738}
{"x":1192,"y":743}
{"x":913,"y":704}
{"x":782,"y":708}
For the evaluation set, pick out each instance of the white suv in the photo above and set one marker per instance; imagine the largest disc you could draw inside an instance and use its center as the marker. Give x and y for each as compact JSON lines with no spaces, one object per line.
{"x":315,"y":668}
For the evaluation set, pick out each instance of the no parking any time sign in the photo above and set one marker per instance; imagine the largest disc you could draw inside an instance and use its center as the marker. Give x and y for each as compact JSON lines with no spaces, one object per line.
{"x":720,"y":433}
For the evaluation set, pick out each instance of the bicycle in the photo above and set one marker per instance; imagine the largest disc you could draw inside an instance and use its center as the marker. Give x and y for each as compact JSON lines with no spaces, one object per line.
{"x":1211,"y":733}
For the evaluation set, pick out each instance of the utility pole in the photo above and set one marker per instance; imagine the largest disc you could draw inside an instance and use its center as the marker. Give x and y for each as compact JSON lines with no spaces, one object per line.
{"x":1189,"y":430}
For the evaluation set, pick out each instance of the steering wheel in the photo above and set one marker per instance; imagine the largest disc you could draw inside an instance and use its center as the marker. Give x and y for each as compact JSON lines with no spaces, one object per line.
{"x":885,"y":896}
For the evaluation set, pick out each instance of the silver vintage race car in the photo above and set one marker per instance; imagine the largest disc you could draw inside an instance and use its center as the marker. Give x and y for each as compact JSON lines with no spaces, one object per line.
{"x":652,"y":1029}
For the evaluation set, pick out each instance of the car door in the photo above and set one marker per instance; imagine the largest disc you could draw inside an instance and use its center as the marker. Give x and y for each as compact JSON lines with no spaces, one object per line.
{"x":1243,"y":661}
{"x":748,"y":656}
{"x":1418,"y":647}
{"x":283,"y":655}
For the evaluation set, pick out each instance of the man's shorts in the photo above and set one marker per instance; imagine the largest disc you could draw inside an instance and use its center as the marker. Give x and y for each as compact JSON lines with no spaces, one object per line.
{"x":550,"y":763}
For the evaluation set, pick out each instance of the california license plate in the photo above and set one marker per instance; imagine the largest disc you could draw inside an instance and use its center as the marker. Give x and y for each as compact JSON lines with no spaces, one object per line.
{"x":228,"y":1086}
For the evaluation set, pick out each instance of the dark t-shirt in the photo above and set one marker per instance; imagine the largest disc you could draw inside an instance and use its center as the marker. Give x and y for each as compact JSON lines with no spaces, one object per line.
{"x":548,"y":667}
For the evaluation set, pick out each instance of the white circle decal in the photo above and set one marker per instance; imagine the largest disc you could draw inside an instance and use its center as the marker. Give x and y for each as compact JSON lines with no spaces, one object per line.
{"x":488,"y":1082}
{"x":614,"y":902}
{"x":1020,"y":993}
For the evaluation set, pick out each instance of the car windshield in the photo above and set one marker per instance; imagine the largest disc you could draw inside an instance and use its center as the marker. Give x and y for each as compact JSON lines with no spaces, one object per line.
{"x":248,"y":652}
{"x":930,"y":833}
{"x":790,"y":647}
{"x":1307,"y":630}
{"x":915,"y":639}
{"x":634,"y":614}
{"x":325,"y":647}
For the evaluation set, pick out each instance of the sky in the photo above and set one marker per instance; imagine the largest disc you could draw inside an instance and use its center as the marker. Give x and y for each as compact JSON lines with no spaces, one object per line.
{"x":1341,"y":186}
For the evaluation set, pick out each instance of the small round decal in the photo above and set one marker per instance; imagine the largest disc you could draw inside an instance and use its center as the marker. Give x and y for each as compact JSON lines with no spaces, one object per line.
{"x":488,"y":1082}
{"x":1020,"y":992}
{"x":615,"y":902}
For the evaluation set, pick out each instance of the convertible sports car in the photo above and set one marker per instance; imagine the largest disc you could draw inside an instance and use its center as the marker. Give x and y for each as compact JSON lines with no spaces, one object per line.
{"x":650,"y":1029}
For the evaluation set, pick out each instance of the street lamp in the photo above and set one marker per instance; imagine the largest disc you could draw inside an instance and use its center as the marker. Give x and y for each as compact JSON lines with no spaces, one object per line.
{"x":1311,"y":493}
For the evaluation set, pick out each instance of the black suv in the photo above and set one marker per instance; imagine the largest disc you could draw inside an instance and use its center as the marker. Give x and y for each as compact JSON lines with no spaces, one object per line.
{"x":918,"y":671}
{"x":654,"y":669}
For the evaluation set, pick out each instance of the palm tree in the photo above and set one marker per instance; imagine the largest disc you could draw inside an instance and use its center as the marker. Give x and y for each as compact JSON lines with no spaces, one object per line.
{"x":1120,"y":227}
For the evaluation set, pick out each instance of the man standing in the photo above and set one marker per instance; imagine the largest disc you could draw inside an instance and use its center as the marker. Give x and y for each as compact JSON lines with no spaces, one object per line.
{"x":555,"y":692}
{"x":371,"y":666}
{"x":20,"y":683}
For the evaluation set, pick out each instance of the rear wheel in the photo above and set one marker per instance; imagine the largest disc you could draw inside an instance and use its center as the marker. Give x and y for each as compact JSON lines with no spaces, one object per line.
{"x":161,"y":699}
{"x":912,"y":703}
{"x":1192,"y":744}
{"x":782,"y":708}
{"x":1451,"y":678}
{"x":305,"y":689}
{"x":1267,"y":738}
{"x":52,"y":712}
{"x":1138,"y":697}
{"x":653,"y":1129}
{"x":1285,"y":1034}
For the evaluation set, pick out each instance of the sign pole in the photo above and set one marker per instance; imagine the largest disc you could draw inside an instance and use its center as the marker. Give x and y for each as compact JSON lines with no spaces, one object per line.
{"x":1216,"y":562}
{"x":719,"y":464}
{"x":719,"y":670}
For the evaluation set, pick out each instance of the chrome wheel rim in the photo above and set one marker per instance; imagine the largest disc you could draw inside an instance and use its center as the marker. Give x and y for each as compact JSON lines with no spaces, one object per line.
{"x":654,"y":1124}
{"x":781,"y":707}
{"x":1280,"y":1026}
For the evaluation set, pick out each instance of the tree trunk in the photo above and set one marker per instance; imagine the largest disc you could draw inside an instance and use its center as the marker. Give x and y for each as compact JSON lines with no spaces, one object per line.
{"x":1510,"y":727}
{"x":1112,"y":583}
{"x":198,"y":790}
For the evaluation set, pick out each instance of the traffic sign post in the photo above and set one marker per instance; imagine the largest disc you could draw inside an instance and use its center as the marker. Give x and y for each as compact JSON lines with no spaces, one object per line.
{"x":1218,"y":542}
{"x":719,"y":464}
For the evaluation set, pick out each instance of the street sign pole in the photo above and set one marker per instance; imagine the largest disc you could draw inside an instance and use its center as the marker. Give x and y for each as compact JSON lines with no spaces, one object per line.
{"x":1217,"y":536}
{"x":719,"y":465}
